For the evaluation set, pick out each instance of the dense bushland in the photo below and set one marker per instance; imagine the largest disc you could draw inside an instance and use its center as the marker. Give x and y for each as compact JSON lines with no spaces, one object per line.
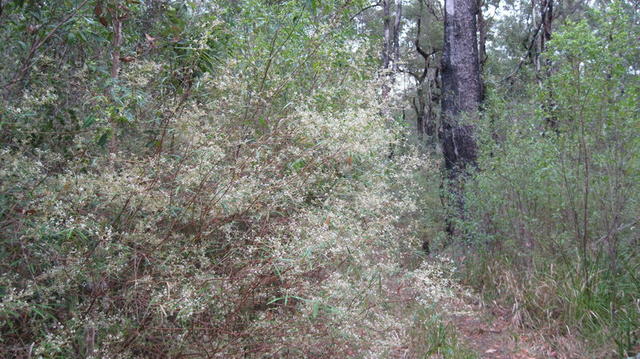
{"x":554,"y":206}
{"x":242,"y":179}
{"x":236,"y":188}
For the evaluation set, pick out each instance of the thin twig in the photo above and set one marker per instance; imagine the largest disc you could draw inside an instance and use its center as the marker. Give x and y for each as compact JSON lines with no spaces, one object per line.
{"x":28,"y":61}
{"x":528,"y":52}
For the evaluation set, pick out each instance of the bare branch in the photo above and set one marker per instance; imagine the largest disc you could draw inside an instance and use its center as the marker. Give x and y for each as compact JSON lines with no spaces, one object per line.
{"x":28,"y":61}
{"x":423,"y":53}
{"x":365,"y":9}
{"x":528,"y":52}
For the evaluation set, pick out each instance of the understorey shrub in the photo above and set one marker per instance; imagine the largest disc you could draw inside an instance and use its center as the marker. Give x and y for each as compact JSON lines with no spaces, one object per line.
{"x":554,"y":206}
{"x":250,"y":227}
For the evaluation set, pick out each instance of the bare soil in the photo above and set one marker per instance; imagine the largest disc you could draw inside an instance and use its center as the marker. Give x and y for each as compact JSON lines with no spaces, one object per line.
{"x":490,"y":333}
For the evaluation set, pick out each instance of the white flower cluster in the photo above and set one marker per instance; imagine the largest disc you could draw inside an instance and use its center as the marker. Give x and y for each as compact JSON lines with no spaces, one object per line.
{"x":286,"y":224}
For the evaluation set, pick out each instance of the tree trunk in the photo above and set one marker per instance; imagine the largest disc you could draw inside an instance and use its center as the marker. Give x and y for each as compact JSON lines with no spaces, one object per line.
{"x":544,"y":33}
{"x":482,"y":45}
{"x":544,"y":70}
{"x":546,"y":12}
{"x":386,"y":49}
{"x":116,"y":43}
{"x":461,"y":97}
{"x":428,"y":81}
{"x":461,"y":86}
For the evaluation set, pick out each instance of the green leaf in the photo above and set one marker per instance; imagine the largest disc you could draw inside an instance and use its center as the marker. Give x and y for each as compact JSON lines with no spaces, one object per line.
{"x":88,"y":121}
{"x":298,"y":164}
{"x":103,"y":139}
{"x":313,"y":6}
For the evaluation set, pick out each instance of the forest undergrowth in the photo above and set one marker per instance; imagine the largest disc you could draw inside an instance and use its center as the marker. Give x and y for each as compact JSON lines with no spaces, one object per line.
{"x":298,"y":242}
{"x":224,"y":221}
{"x":239,"y":179}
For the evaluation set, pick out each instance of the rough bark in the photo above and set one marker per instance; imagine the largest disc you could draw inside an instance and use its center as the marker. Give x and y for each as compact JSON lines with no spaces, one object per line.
{"x":482,"y":44}
{"x":461,"y":86}
{"x":460,"y":101}
{"x":546,"y":13}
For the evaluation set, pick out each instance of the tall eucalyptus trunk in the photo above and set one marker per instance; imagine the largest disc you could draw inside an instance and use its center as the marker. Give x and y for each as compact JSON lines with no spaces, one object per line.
{"x":461,"y":97}
{"x":461,"y":86}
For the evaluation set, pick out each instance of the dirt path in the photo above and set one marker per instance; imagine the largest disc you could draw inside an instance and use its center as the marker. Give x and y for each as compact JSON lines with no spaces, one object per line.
{"x":491,"y":335}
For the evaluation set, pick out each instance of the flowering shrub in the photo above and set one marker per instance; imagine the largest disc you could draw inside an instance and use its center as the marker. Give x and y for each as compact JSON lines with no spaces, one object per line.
{"x":238,"y":188}
{"x":279,"y":237}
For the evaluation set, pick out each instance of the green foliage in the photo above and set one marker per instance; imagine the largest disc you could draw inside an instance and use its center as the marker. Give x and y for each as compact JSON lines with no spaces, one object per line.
{"x":557,"y":194}
{"x":249,"y":206}
{"x":224,"y":178}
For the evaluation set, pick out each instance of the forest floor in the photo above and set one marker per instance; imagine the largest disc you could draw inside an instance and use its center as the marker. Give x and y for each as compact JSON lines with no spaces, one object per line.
{"x":489,"y":333}
{"x":479,"y":330}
